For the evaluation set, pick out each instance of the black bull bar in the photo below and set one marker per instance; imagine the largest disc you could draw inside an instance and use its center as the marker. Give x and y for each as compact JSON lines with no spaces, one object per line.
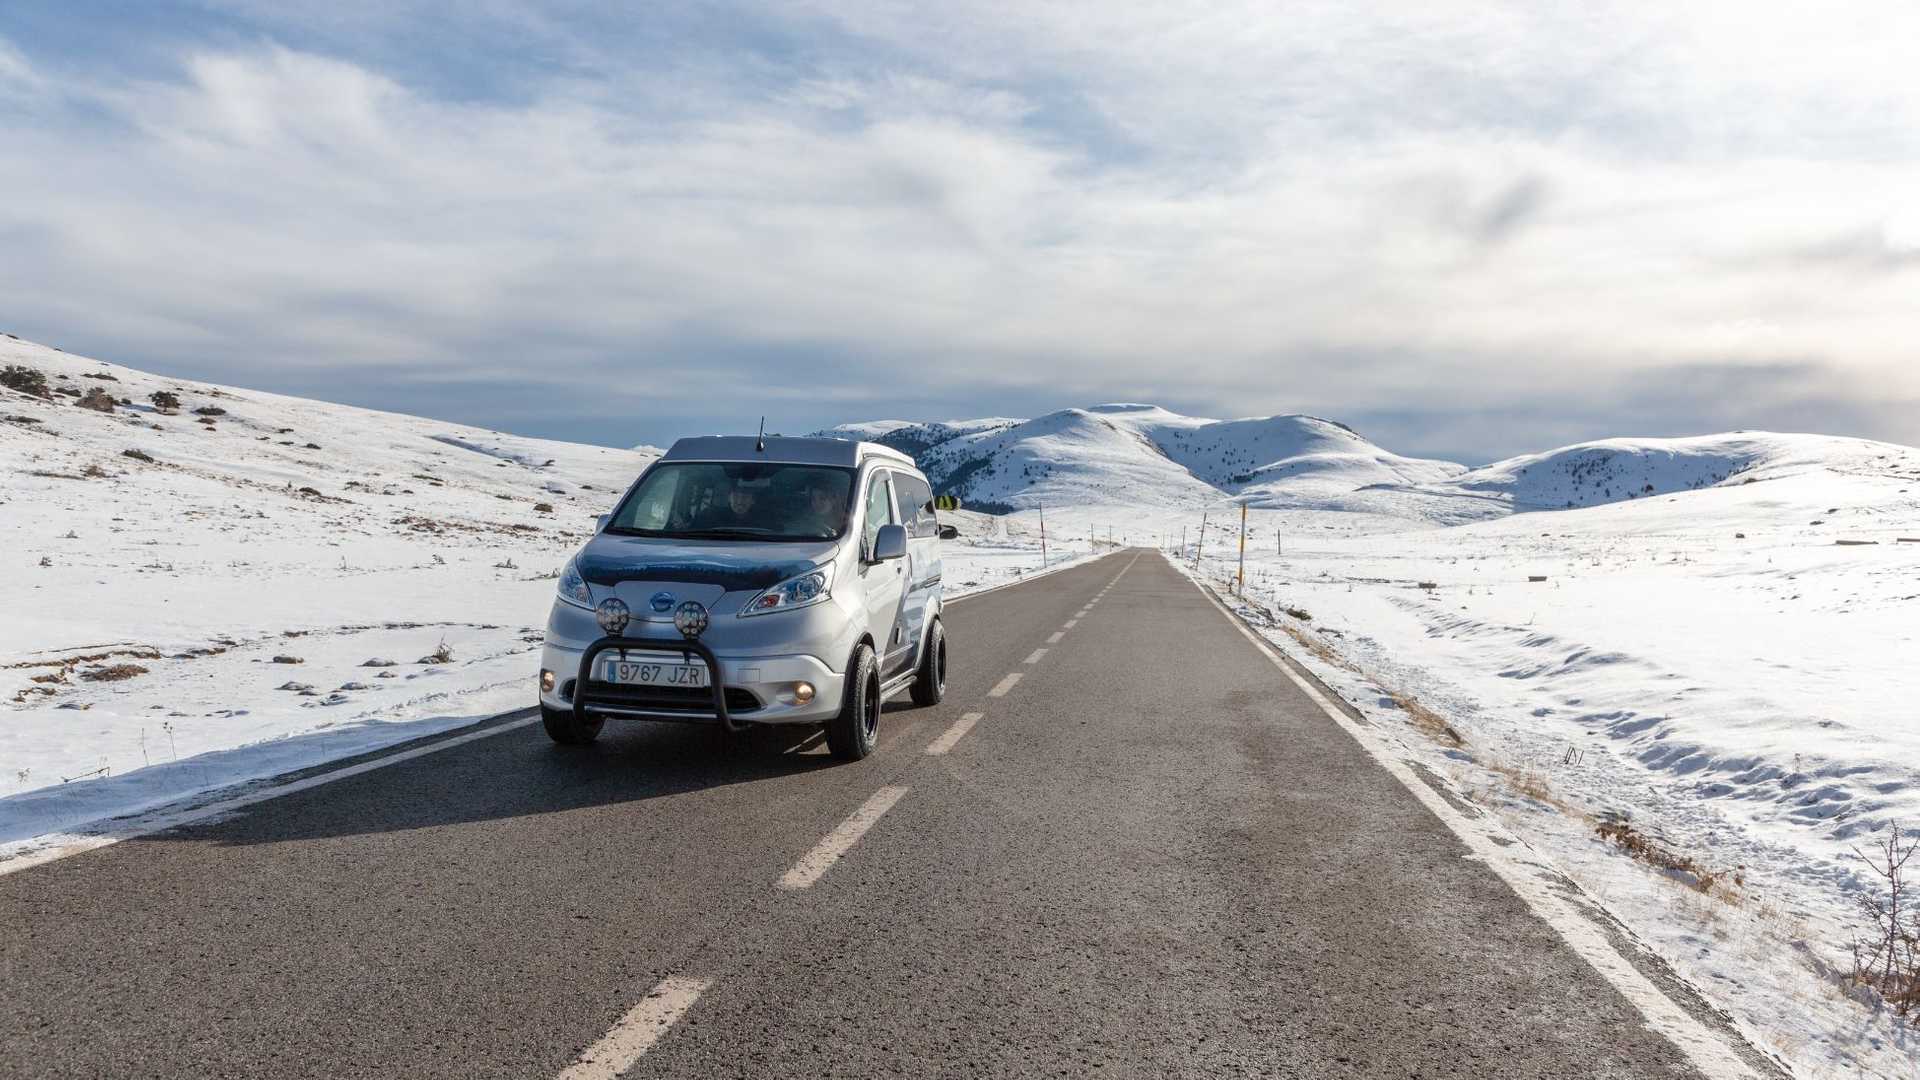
{"x":686,"y":647}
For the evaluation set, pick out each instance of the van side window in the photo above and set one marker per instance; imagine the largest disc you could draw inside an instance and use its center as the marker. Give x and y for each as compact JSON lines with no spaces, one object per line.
{"x":879,"y":510}
{"x":914,"y":501}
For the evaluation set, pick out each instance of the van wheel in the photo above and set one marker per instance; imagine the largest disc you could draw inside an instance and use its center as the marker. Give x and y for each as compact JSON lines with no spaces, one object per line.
{"x":852,"y":734}
{"x":930,"y":685}
{"x":564,"y":729}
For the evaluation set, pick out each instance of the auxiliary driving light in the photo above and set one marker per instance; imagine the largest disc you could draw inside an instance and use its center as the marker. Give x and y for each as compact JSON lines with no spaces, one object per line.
{"x":802,"y":693}
{"x":690,"y":619}
{"x":546,"y":682}
{"x":613,"y":615}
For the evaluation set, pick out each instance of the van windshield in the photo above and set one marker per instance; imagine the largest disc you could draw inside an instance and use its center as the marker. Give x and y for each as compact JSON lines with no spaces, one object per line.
{"x":747,"y":500}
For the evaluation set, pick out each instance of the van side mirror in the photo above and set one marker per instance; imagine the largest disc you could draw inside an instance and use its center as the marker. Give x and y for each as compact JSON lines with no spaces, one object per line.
{"x":600,"y":523}
{"x":891,"y":543}
{"x":948,"y":532}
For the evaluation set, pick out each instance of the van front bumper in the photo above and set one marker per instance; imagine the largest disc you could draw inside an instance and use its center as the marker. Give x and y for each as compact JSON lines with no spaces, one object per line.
{"x":768,"y":683}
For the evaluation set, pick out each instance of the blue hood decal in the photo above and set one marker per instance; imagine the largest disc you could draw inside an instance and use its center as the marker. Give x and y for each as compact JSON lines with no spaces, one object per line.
{"x":733,"y":575}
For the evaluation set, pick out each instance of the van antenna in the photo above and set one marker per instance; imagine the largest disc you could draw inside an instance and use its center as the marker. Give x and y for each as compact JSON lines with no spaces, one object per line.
{"x":760,"y":440}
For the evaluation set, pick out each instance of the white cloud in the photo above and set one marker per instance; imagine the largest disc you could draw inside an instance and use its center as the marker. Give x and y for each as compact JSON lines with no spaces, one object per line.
{"x":1233,"y":209}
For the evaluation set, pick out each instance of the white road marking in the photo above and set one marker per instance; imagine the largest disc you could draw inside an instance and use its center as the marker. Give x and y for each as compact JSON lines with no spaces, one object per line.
{"x":164,"y":819}
{"x":1709,"y":1054}
{"x":955,"y":733}
{"x":1082,"y":613}
{"x":1037,"y":654}
{"x":638,"y":1030}
{"x":1000,"y":689}
{"x":1054,"y":638}
{"x":1070,"y":624}
{"x":814,"y":864}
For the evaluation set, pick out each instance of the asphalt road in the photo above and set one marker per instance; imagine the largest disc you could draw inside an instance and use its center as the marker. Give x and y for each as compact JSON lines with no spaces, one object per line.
{"x":1150,"y":855}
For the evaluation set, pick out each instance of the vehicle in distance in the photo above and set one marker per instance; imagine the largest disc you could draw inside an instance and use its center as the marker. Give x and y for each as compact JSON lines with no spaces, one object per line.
{"x":753,"y":580}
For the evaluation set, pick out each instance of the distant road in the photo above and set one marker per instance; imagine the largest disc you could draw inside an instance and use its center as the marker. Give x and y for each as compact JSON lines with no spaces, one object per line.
{"x":1130,"y":844}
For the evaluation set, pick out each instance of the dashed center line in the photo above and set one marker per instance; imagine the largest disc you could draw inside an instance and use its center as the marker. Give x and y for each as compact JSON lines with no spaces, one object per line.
{"x":954,"y":733}
{"x":1000,"y":688}
{"x":1037,"y":654}
{"x":1081,"y":614}
{"x":814,"y":864}
{"x":638,"y":1030}
{"x":1054,"y":638}
{"x":1070,"y":624}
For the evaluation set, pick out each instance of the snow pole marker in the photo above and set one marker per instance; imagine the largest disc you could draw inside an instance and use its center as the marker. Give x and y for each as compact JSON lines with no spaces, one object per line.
{"x":1241,"y":577}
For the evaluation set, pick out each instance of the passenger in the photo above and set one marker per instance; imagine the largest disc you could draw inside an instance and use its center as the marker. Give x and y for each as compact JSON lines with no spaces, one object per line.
{"x":825,"y":512}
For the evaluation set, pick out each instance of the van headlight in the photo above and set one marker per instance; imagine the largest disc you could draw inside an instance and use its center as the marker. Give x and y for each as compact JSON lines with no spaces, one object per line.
{"x":573,"y":587}
{"x":796,"y":592}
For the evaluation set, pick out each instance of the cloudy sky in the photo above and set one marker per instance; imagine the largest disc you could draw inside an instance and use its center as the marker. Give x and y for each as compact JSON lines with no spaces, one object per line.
{"x":1467,"y":230}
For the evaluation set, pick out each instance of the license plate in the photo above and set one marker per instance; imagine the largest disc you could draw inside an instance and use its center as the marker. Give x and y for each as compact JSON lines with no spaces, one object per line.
{"x":654,"y":673}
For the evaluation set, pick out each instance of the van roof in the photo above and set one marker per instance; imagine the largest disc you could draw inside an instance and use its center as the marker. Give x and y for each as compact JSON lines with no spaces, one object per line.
{"x":784,"y":449}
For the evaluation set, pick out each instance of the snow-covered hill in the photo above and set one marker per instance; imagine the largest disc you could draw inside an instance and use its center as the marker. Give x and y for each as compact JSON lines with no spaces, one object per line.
{"x":1071,"y":457}
{"x":1276,"y":462}
{"x":1620,"y":470}
{"x":1135,"y":454}
{"x":1127,"y":454}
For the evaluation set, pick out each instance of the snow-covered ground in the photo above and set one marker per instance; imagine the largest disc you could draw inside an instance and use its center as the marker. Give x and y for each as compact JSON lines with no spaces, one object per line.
{"x":267,"y":591}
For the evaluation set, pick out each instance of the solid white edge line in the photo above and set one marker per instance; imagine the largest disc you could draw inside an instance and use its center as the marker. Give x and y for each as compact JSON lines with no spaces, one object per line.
{"x":636,"y":1032}
{"x":954,"y":733}
{"x":161,"y":820}
{"x":1054,"y":638}
{"x":1702,"y":1047}
{"x":1000,"y":688}
{"x":814,"y":864}
{"x":1037,"y":654}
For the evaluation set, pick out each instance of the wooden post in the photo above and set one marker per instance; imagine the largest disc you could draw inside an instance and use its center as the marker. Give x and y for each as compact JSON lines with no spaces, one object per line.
{"x":1243,"y":550}
{"x":1202,"y":545}
{"x":1043,"y":536}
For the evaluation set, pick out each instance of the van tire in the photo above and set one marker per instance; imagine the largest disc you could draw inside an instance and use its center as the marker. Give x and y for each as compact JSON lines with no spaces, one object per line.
{"x":930,"y":685}
{"x":852,"y":734}
{"x":564,"y":728}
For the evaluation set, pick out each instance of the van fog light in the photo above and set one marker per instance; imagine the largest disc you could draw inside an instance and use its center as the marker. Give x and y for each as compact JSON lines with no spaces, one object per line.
{"x":546,"y":682}
{"x":802,"y":693}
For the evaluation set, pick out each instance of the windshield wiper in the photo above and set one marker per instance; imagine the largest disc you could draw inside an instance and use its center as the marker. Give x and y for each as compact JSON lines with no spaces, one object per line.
{"x":724,"y":534}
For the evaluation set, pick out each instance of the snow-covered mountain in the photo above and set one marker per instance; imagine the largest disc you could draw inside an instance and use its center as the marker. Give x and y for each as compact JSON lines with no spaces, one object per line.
{"x":1134,"y":454}
{"x":1618,"y":470}
{"x":1128,"y":454}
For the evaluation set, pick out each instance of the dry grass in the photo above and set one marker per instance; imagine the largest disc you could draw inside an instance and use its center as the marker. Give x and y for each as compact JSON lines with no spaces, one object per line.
{"x":1682,"y":868}
{"x":113,"y":673}
{"x":1320,"y":649}
{"x":1427,"y":722}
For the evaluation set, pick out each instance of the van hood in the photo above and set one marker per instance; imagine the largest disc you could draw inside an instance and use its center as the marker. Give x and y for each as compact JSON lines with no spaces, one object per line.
{"x":609,"y":560}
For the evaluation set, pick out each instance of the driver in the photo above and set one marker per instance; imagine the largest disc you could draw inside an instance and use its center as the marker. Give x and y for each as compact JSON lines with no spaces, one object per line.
{"x":735,"y":511}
